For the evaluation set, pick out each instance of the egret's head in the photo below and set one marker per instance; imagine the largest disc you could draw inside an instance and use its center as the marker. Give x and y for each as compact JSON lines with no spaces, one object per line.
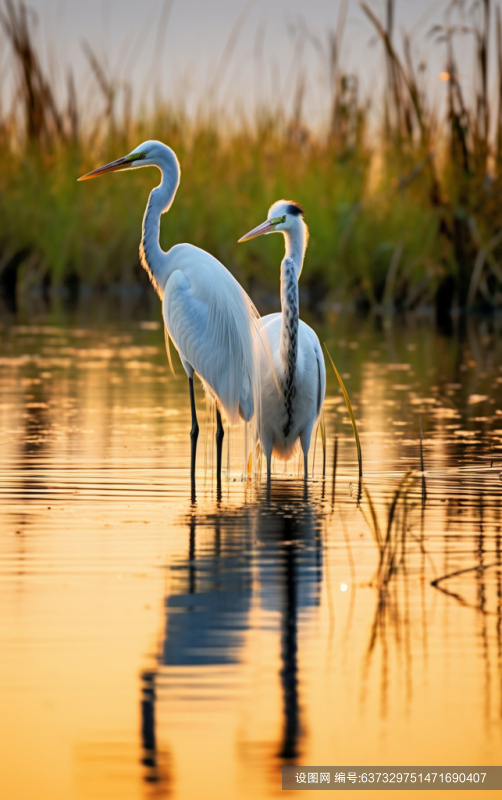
{"x":283,"y":216}
{"x":148,"y":154}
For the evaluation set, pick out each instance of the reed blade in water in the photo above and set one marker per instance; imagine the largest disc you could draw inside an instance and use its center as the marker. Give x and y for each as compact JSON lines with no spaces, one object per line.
{"x":392,"y":548}
{"x":351,"y":414}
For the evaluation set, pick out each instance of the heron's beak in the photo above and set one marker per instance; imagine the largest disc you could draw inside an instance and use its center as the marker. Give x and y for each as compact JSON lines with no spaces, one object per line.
{"x":266,"y":227}
{"x":113,"y":166}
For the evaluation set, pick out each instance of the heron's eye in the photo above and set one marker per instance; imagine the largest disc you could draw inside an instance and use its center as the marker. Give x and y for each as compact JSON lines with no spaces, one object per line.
{"x":278,"y":220}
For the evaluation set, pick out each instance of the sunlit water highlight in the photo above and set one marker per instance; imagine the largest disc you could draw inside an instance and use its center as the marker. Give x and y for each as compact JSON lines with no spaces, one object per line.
{"x":155,"y":647}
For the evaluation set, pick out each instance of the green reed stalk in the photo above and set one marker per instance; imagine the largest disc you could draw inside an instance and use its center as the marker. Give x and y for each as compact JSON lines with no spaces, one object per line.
{"x":351,"y":414}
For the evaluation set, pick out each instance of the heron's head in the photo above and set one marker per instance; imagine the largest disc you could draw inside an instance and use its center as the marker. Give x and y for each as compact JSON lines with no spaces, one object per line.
{"x":283,"y":216}
{"x":148,"y":154}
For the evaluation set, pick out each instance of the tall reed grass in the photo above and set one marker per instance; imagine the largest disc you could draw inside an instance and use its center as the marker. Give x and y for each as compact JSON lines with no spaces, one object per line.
{"x":402,"y":198}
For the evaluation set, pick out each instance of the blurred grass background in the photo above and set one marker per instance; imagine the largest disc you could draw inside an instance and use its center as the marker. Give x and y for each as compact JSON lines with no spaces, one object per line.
{"x":401,"y":196}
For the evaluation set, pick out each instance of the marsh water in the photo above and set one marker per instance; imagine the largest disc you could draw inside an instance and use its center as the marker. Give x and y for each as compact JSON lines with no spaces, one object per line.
{"x":157,"y":645}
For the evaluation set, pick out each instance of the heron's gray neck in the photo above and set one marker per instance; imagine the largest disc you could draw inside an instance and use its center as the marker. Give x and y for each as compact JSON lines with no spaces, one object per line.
{"x":291,"y":267}
{"x":290,"y":314}
{"x":296,"y":244}
{"x":152,"y":257}
{"x":289,"y":334}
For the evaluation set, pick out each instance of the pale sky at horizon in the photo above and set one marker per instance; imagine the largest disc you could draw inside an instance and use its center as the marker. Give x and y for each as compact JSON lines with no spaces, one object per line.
{"x":178,"y":54}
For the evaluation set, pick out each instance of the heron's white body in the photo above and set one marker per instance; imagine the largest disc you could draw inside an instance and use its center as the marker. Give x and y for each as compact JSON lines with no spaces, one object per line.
{"x":310,"y":387}
{"x":292,"y":374}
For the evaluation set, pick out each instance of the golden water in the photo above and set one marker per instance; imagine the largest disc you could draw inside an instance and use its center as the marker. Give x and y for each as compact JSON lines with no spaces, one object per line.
{"x":154,"y":647}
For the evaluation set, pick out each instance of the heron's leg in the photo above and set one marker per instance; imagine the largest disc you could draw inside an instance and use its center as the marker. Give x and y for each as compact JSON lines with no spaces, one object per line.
{"x":220,"y":433}
{"x":305,"y":443}
{"x":194,"y":433}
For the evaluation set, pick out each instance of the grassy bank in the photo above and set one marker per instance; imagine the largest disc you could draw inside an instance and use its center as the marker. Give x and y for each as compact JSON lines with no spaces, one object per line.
{"x":403,"y":218}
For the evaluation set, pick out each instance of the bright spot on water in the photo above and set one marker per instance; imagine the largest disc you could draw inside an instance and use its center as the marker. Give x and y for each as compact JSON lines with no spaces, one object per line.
{"x":343,"y":587}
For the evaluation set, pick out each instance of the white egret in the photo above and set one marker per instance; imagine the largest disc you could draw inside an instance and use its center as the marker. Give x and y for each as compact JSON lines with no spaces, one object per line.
{"x":291,"y":399}
{"x":207,"y":314}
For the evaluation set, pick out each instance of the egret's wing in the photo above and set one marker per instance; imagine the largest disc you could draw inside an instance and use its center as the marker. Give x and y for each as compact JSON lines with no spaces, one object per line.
{"x":211,"y":321}
{"x":167,"y":339}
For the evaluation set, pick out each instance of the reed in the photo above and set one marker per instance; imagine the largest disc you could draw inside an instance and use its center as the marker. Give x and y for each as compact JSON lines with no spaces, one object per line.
{"x":392,"y":539}
{"x":401,"y":217}
{"x":350,"y":411}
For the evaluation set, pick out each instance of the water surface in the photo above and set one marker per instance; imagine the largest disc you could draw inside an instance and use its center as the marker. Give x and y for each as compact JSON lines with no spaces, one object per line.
{"x":153,"y":646}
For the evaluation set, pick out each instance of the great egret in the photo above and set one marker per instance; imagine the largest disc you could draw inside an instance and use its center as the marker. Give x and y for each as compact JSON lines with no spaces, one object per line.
{"x":208,"y":315}
{"x":292,"y":398}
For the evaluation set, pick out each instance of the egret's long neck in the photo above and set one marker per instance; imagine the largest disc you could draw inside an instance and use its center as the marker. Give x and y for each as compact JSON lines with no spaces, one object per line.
{"x":291,"y":267}
{"x":152,"y":257}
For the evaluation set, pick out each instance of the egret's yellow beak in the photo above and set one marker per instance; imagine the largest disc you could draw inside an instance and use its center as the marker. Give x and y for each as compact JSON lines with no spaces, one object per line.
{"x":113,"y":166}
{"x":266,"y":227}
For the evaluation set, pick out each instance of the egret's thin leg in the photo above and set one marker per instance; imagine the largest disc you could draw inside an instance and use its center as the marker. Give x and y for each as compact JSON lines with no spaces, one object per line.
{"x":269,"y":475}
{"x":305,"y":465}
{"x":194,"y":433}
{"x":220,"y":433}
{"x":269,"y":467}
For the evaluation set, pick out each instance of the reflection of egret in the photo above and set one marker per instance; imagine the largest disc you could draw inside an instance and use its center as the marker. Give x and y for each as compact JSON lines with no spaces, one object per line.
{"x":156,"y":760}
{"x":289,"y":415}
{"x":206,"y":615}
{"x":207,"y":314}
{"x":208,"y":610}
{"x":208,"y":607}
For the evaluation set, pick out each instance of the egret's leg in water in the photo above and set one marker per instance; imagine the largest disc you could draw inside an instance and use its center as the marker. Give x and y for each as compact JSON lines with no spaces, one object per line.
{"x":220,"y":433}
{"x":194,"y":433}
{"x":269,"y":467}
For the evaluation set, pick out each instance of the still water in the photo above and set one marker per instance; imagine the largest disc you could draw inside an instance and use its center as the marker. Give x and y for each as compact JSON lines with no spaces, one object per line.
{"x":156,"y":647}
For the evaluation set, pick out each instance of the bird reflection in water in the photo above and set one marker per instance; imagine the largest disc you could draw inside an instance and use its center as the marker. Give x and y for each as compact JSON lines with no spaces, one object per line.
{"x":155,"y":759}
{"x":288,"y":531}
{"x":212,"y":593}
{"x":205,"y":612}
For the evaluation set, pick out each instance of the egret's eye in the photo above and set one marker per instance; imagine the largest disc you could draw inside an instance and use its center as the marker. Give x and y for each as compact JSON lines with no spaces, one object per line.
{"x":135,"y":156}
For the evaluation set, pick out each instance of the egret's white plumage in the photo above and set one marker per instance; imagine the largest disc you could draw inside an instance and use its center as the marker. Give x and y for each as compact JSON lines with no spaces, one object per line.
{"x":293,"y":381}
{"x":208,"y":315}
{"x":210,"y":320}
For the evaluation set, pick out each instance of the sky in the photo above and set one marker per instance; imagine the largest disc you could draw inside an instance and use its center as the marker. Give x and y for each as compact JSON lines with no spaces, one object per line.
{"x":181,"y":50}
